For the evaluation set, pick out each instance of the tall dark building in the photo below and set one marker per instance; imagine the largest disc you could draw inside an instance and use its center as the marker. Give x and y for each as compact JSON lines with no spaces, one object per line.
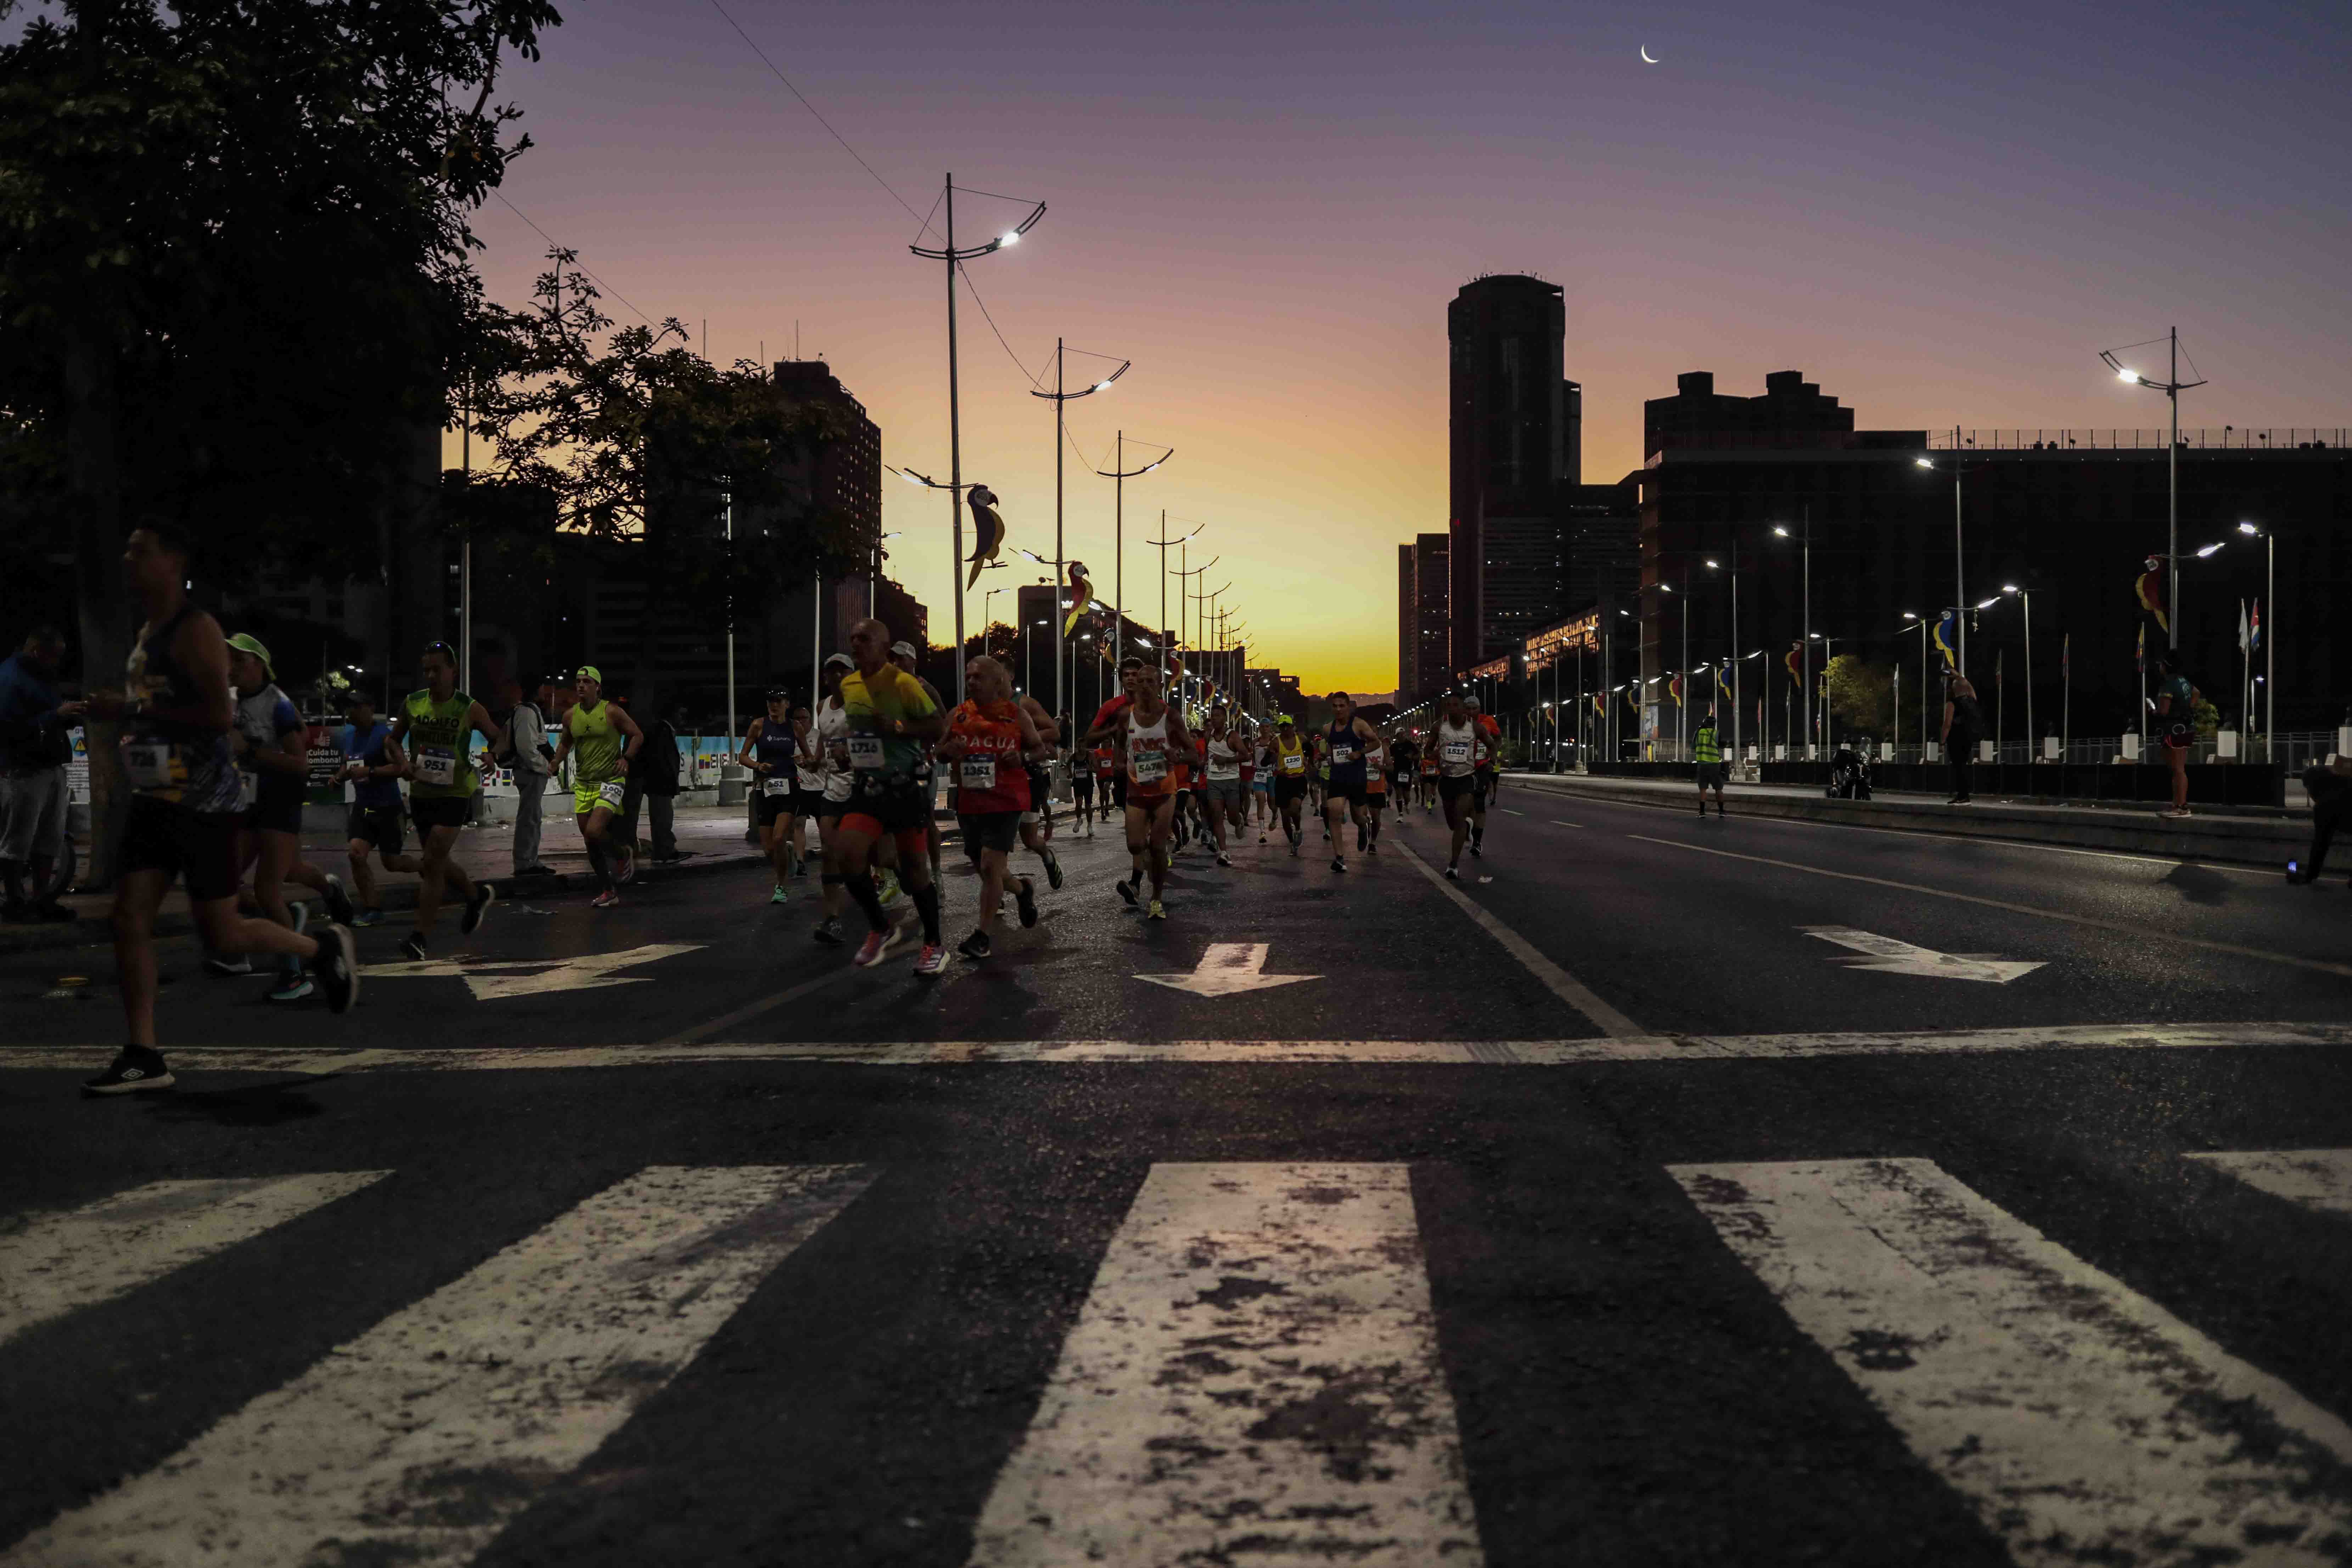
{"x":1408,"y":625}
{"x":1432,"y":593}
{"x":1791,"y":413}
{"x":1514,"y":446}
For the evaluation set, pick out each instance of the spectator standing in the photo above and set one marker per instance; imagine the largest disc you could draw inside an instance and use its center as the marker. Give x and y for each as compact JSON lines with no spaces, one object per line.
{"x":34,"y":750}
{"x":2176,"y":728}
{"x":528,"y":753}
{"x":653,"y":778}
{"x":1963,"y":726}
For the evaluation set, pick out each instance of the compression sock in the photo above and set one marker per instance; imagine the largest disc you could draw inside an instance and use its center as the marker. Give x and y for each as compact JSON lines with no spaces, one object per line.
{"x":927,"y":905}
{"x":599,"y":865}
{"x":861,"y":888}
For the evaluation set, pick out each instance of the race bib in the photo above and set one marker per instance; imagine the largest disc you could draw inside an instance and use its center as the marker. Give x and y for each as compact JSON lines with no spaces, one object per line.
{"x":149,"y":764}
{"x":1454,"y":750}
{"x":248,"y":788}
{"x":610,"y":793}
{"x":1150,"y":767}
{"x":1294,"y":763}
{"x":1342,"y":755}
{"x":864,"y":752}
{"x":979,"y":771}
{"x":436,"y":765}
{"x":774,"y":786}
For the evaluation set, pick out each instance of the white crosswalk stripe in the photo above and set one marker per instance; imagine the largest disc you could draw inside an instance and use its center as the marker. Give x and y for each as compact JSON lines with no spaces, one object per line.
{"x":417,"y":1441}
{"x":2316,"y":1178}
{"x":1253,"y":1376}
{"x":58,"y":1263}
{"x":2082,"y":1421}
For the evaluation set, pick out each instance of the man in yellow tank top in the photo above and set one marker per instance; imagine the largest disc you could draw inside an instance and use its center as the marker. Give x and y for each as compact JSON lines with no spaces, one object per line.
{"x":603,"y":739}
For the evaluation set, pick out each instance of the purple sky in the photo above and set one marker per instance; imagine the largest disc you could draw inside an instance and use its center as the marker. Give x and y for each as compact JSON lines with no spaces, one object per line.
{"x":1940,"y":214}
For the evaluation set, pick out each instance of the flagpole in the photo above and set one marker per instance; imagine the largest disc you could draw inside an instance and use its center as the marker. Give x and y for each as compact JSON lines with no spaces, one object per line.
{"x":2066,"y":694}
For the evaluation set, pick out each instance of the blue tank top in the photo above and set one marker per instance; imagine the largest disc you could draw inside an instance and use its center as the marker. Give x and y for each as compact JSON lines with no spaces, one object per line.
{"x":1347,"y":754}
{"x":775,"y":747}
{"x":164,"y":760}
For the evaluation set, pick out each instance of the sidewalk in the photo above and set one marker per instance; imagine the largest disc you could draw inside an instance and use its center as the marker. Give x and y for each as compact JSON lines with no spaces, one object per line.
{"x":2269,"y":838}
{"x":711,"y":837}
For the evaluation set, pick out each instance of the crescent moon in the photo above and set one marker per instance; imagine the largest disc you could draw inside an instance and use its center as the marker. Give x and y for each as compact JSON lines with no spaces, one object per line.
{"x":1646,"y":54}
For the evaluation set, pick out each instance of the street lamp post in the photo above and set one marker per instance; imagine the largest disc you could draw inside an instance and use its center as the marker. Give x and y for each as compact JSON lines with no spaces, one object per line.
{"x":1164,"y":545}
{"x":1921,"y":628}
{"x":1061,"y":399}
{"x":955,"y":258}
{"x":2032,"y":741}
{"x":2270,"y":646}
{"x":2172,"y":386}
{"x":1120,"y":472}
{"x":1959,"y":567}
{"x":1805,"y":657}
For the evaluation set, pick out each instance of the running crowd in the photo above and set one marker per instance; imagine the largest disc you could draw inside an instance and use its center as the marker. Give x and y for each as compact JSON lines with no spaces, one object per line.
{"x":217,"y":758}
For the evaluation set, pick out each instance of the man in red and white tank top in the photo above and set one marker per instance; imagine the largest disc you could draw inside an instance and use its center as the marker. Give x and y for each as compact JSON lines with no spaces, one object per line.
{"x":990,"y":741}
{"x":1153,"y":737}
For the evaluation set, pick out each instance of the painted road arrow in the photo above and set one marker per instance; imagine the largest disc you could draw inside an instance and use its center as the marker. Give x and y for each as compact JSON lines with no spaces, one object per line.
{"x":1225,"y":968}
{"x":1892,"y":957}
{"x":490,"y":981}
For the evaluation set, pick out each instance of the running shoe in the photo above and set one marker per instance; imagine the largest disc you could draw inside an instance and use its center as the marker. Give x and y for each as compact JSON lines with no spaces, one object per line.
{"x":828,"y":932}
{"x":412,"y":947}
{"x":1158,"y":911}
{"x":133,"y":1069}
{"x":877,"y":943}
{"x":338,"y":902}
{"x":1053,"y":872}
{"x":1025,"y":899}
{"x":1360,"y":841}
{"x":1478,"y":852}
{"x":292,"y":990}
{"x":476,"y":907}
{"x":607,"y":899}
{"x":1373,"y":848}
{"x":780,"y":896}
{"x":1261,"y":838}
{"x":931,"y":960}
{"x":370,"y":917}
{"x":336,"y":965}
{"x":888,"y":890}
{"x":976,"y":946}
{"x":1454,"y":873}
{"x":1338,"y":863}
{"x":1126,"y":891}
{"x":226,"y":967}
{"x":1224,"y":860}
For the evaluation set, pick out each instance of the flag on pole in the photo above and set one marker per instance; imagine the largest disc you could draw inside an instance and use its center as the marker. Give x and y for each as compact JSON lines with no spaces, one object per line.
{"x":1082,"y":593}
{"x":1948,"y":636}
{"x":2245,"y":633}
{"x":1600,"y":704}
{"x":1790,"y":661}
{"x":1674,"y":689}
{"x":2066,"y":659}
{"x":2256,"y":645}
{"x":2139,"y":655}
{"x":2148,"y":587}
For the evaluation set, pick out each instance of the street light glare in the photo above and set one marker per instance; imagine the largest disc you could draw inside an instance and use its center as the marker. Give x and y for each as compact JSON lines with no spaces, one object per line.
{"x":1013,"y":238}
{"x":1102,"y":386}
{"x":1922,"y":462}
{"x":1988,"y":604}
{"x":2247,"y":529}
{"x":2123,"y":374}
{"x":1782,"y":531}
{"x":2009,"y":587}
{"x":1910,"y":614}
{"x":1713,"y":567}
{"x":2205,"y":551}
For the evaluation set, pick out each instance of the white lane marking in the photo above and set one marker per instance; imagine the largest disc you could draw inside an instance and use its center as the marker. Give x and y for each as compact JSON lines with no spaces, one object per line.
{"x":324,"y":1060}
{"x":1254,"y":1376}
{"x":1557,"y":981}
{"x":1225,"y":969}
{"x":1556,"y":822}
{"x":52,"y":1264}
{"x":1507,"y":811}
{"x":2080,"y":1421}
{"x":2316,"y":1178}
{"x":416,"y":1442}
{"x":2140,"y":931}
{"x":1889,"y":956}
{"x":1916,"y":834}
{"x":504,"y":977}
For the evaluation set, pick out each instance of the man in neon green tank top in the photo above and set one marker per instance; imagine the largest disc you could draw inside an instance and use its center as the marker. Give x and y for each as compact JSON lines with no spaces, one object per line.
{"x":432,"y":737}
{"x":603,"y":739}
{"x":1707,"y":744}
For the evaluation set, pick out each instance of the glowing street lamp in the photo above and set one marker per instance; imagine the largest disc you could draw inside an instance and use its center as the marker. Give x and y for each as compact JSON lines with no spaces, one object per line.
{"x":955,"y":259}
{"x":1120,"y":472}
{"x":2172,"y":386}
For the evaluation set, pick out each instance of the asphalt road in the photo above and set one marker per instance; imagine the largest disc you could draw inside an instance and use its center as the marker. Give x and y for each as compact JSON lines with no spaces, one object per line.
{"x":1605,"y":1211}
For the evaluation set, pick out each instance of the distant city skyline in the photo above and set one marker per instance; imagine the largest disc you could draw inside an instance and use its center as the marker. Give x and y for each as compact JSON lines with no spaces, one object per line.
{"x":1943,"y":217}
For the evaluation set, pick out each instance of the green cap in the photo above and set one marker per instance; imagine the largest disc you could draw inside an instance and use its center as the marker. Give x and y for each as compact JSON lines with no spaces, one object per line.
{"x":589,"y":672}
{"x":246,"y":642}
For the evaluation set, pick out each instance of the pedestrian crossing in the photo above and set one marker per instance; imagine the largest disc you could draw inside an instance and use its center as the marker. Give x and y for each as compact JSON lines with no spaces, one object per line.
{"x":1262,"y":1368}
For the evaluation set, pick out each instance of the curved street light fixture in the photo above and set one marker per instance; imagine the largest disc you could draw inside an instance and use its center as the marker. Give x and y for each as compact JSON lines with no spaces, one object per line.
{"x":955,"y":258}
{"x":2172,"y":386}
{"x":1120,"y":472}
{"x":1061,"y":399}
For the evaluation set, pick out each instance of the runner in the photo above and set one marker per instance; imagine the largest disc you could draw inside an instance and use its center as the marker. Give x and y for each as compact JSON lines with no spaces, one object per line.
{"x":893,"y":723}
{"x":1320,"y":796}
{"x":1151,"y":735}
{"x":1112,"y":736}
{"x":1082,"y":791}
{"x":1351,"y":746}
{"x":1182,"y":761}
{"x":1428,"y":777}
{"x":1456,"y":749}
{"x":1259,"y":776}
{"x":1038,"y":818}
{"x":176,"y":715}
{"x":1222,"y":759}
{"x":442,"y":784}
{"x":1376,"y":801}
{"x":271,"y":746}
{"x":373,"y":764}
{"x":1488,"y":745}
{"x":988,"y":738}
{"x":1404,"y":758}
{"x":829,"y":750}
{"x":607,"y":740}
{"x":1109,"y":796}
{"x":904,"y":655}
{"x":772,"y":750}
{"x":1289,"y":757}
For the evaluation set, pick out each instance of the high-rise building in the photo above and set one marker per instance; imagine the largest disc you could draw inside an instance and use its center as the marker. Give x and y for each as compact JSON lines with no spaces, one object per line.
{"x":1408,"y":623}
{"x":1514,"y":435}
{"x":1432,"y":592}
